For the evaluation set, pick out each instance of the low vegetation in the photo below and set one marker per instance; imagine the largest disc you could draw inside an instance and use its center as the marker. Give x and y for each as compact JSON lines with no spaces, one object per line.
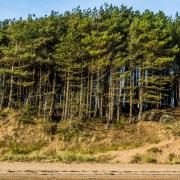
{"x":79,"y":140}
{"x":154,"y":150}
{"x":143,"y":159}
{"x":65,"y":157}
{"x":174,"y":158}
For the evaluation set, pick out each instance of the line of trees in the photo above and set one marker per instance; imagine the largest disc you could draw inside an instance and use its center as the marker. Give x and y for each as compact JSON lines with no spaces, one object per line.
{"x":100,"y":63}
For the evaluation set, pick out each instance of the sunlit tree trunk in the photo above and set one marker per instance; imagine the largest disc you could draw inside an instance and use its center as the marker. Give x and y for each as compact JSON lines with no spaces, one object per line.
{"x":3,"y":91}
{"x":11,"y":89}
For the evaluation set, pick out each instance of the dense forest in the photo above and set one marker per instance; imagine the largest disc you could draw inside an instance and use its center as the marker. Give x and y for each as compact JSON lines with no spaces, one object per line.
{"x":94,"y":63}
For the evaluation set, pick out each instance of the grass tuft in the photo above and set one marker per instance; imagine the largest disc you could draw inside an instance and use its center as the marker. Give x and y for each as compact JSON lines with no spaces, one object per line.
{"x":174,"y":158}
{"x":143,"y":159}
{"x":154,"y":150}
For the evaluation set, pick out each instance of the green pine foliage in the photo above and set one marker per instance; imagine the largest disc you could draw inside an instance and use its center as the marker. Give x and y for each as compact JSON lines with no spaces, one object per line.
{"x":90,"y":64}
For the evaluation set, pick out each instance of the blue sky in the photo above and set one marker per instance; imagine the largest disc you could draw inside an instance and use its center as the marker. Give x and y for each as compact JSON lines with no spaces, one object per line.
{"x":21,"y":8}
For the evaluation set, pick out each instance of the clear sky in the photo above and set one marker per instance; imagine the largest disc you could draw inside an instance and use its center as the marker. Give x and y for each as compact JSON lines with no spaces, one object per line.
{"x":21,"y":8}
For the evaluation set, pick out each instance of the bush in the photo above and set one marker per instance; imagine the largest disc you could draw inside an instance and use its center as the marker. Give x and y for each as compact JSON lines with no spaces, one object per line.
{"x":70,"y":130}
{"x":143,"y":159}
{"x":172,"y":156}
{"x":149,"y":159}
{"x":3,"y":114}
{"x":136,"y":159}
{"x":17,"y":148}
{"x":68,"y":157}
{"x":154,"y":150}
{"x":120,"y":123}
{"x":22,"y":157}
{"x":26,"y":119}
{"x":131,"y":145}
{"x":165,"y":118}
{"x":70,"y":134}
{"x":174,"y":159}
{"x":50,"y":128}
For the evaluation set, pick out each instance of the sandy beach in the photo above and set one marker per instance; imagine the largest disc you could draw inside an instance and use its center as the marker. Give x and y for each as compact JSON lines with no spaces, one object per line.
{"x":17,"y":170}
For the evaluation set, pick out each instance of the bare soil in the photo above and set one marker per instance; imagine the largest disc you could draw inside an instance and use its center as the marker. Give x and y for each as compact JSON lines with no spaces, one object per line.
{"x":33,"y":170}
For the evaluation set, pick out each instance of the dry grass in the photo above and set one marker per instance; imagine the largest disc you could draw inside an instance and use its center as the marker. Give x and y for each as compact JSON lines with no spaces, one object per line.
{"x":81,"y":141}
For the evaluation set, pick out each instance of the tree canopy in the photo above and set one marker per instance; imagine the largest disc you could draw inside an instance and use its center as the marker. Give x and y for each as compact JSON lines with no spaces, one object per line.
{"x":94,"y":63}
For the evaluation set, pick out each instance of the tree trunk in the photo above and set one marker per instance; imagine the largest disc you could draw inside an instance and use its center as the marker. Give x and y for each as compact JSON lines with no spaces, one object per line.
{"x":11,"y":89}
{"x":53,"y":97}
{"x":81,"y":97}
{"x":63,"y":103}
{"x":119,"y":101}
{"x":110,"y":99}
{"x":179,"y":91}
{"x":141,"y":91}
{"x":131,"y":96}
{"x":101,"y":106}
{"x":45,"y":107}
{"x":97,"y":94}
{"x":40,"y":92}
{"x":87,"y":95}
{"x":3,"y":89}
{"x":90,"y":96}
{"x":67,"y":96}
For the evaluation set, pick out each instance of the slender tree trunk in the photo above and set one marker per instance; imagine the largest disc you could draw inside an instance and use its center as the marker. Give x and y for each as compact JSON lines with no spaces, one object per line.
{"x":63,"y":103}
{"x":67,"y":96}
{"x":101,"y":106}
{"x":3,"y":89}
{"x":110,"y":99}
{"x":11,"y":89}
{"x":81,"y":97}
{"x":40,"y":92}
{"x":131,"y":96}
{"x":45,"y":107}
{"x":19,"y":92}
{"x":141,"y":91}
{"x":179,"y":91}
{"x":97,"y":93}
{"x":87,"y":95}
{"x":53,"y":96}
{"x":70,"y":107}
{"x":119,"y":101}
{"x":90,"y":96}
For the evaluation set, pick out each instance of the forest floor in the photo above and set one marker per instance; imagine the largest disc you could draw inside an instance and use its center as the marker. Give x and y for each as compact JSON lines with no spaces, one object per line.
{"x":74,"y":141}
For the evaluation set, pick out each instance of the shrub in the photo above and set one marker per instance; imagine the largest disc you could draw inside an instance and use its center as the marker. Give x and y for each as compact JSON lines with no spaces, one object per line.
{"x":136,"y":159}
{"x":174,"y":159}
{"x":165,"y":118}
{"x":148,"y":159}
{"x":143,"y":159}
{"x":154,"y":150}
{"x":26,"y":119}
{"x":172,"y":156}
{"x":17,"y":148}
{"x":69,"y":157}
{"x":50,"y":128}
{"x":3,"y":114}
{"x":131,"y":145}
{"x":70,"y":130}
{"x":120,"y":123}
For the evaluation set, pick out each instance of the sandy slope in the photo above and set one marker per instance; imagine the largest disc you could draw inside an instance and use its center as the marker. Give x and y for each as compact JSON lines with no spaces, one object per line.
{"x":87,"y":171}
{"x":168,"y":146}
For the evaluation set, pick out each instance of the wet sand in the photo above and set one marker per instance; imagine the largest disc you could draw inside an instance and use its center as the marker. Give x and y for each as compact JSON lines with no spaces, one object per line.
{"x":48,"y":171}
